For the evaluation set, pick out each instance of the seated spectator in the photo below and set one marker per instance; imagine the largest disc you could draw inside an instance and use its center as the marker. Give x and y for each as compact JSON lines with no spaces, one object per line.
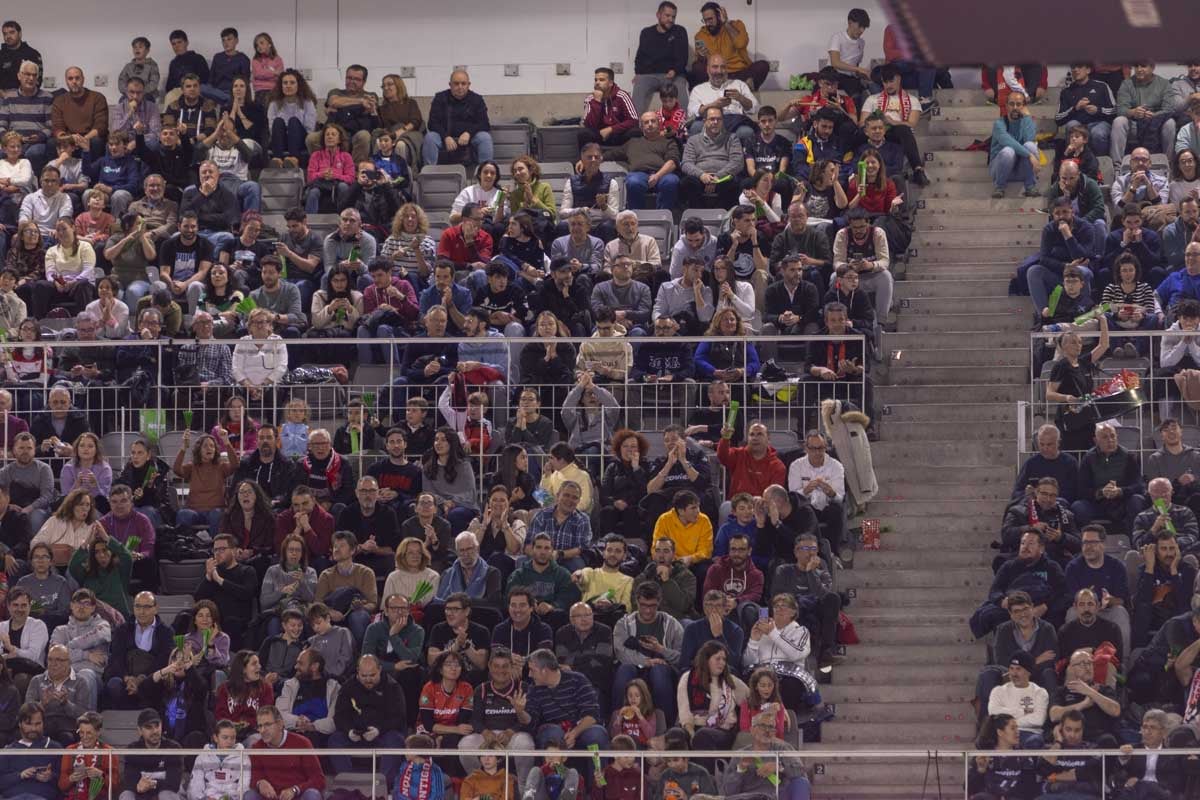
{"x":686,"y":301}
{"x":1134,"y":302}
{"x":70,"y":526}
{"x":662,"y":56}
{"x":1078,"y":152}
{"x":1088,"y":629}
{"x":301,"y":774}
{"x":1024,"y":632}
{"x":735,"y":362}
{"x":174,"y":162}
{"x":609,"y":114}
{"x":1031,"y":571}
{"x":291,"y":117}
{"x":577,"y":246}
{"x":244,"y":692}
{"x":863,"y":247}
{"x":1143,"y":112}
{"x":374,"y":195}
{"x":31,"y":775}
{"x":821,"y":160}
{"x":336,"y":645}
{"x":1164,"y":514}
{"x":783,"y":643}
{"x":1177,"y":235}
{"x":901,"y":111}
{"x":562,"y":466}
{"x":27,"y":107}
{"x":1163,"y":588}
{"x":625,"y":484}
{"x":459,"y":634}
{"x":61,"y":694}
{"x":214,"y":775}
{"x":280,"y":651}
{"x":117,"y":177}
{"x":818,"y":606}
{"x":374,"y":524}
{"x":307,"y":699}
{"x":733,"y":293}
{"x":1132,"y":240}
{"x":70,"y":266}
{"x":1014,"y":152}
{"x":820,"y":478}
{"x":349,"y":589}
{"x":560,"y":707}
{"x":590,"y":413}
{"x":205,"y":476}
{"x":81,"y":114}
{"x":1089,"y":103}
{"x":458,"y":118}
{"x":103,"y":565}
{"x":396,"y":641}
{"x":289,"y":584}
{"x":659,"y":361}
{"x":493,"y":716}
{"x":754,"y":467}
{"x":708,"y":696}
{"x":392,"y":166}
{"x":809,"y":243}
{"x":712,"y":161}
{"x":47,"y":588}
{"x":307,"y":519}
{"x":230,"y":585}
{"x":370,"y":711}
{"x":759,"y":775}
{"x":1185,"y":179}
{"x":522,"y":632}
{"x":732,"y":97}
{"x":567,"y":526}
{"x":792,"y":304}
{"x":330,"y":173}
{"x":470,"y":575}
{"x":721,"y":596}
{"x":1045,"y":515}
{"x":1141,"y":187}
{"x":432,"y":530}
{"x":1170,"y":772}
{"x":691,"y":531}
{"x":88,"y":638}
{"x":217,"y":209}
{"x":675,"y":581}
{"x":548,"y":581}
{"x":725,"y":40}
{"x":1096,"y":704}
{"x":26,"y":636}
{"x":647,"y":643}
{"x":1110,"y":482}
{"x":671,"y":115}
{"x":1025,"y":702}
{"x":653,"y":159}
{"x":878,"y":196}
{"x":695,"y":241}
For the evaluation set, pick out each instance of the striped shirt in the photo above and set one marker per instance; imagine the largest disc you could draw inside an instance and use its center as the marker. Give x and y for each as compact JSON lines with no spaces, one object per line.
{"x":570,"y":701}
{"x":1142,"y":295}
{"x":26,"y":115}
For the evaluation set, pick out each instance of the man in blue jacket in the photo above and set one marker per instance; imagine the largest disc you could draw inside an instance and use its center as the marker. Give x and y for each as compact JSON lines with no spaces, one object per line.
{"x":1065,"y":240}
{"x":32,"y":775}
{"x":118,"y":174}
{"x":1031,"y":572}
{"x":1183,"y":284}
{"x":1014,"y":152}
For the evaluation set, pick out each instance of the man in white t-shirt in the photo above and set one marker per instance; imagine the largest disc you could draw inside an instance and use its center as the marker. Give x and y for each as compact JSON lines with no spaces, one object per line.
{"x":846,"y":50}
{"x":901,"y":110}
{"x":733,"y":97}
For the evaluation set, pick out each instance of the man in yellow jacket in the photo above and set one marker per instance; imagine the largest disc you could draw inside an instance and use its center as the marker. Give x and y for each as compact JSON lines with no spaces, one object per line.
{"x":691,"y":530}
{"x":722,"y":36}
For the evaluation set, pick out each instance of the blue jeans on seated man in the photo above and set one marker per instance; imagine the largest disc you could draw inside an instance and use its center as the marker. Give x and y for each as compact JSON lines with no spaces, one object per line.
{"x":218,"y":239}
{"x":375,"y":348}
{"x":1010,"y":166}
{"x":188,"y":517}
{"x":248,"y":193}
{"x":339,"y":740}
{"x":662,"y":681}
{"x":1042,"y":281}
{"x":637,"y":186}
{"x":481,"y":148}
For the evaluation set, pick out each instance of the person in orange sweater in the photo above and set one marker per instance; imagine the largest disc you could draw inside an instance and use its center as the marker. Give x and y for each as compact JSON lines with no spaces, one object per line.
{"x":78,"y":771}
{"x":751,"y":468}
{"x":489,"y":780}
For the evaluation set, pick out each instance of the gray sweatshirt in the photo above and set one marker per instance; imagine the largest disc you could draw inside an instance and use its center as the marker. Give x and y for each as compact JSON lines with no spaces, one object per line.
{"x":721,"y":156}
{"x":276,"y":579}
{"x":92,"y":635}
{"x":337,"y":646}
{"x":53,"y":592}
{"x":60,"y":715}
{"x":22,"y":482}
{"x":627,"y":627}
{"x":285,"y":301}
{"x":592,"y":425}
{"x":633,"y":299}
{"x":674,"y":298}
{"x":461,"y":490}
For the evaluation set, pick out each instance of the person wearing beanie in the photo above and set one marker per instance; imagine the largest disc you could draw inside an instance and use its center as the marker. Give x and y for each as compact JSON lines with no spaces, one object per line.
{"x":1024,"y":701}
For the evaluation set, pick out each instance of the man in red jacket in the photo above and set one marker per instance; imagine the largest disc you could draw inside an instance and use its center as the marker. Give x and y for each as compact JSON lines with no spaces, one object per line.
{"x":609,"y":116}
{"x":751,"y":468}
{"x":296,"y":777}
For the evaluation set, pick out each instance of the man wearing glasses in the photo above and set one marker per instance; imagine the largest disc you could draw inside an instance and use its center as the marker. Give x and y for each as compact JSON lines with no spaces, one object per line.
{"x":87,"y":637}
{"x":819,"y":605}
{"x":232,"y":586}
{"x":395,"y":642}
{"x":460,"y":634}
{"x":140,"y":649}
{"x":1105,"y":577}
{"x":1044,"y":515}
{"x":470,"y":574}
{"x":822,"y":479}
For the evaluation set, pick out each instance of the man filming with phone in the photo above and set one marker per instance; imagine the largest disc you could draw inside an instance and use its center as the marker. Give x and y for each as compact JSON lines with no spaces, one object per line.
{"x":375,"y":198}
{"x":732,"y":96}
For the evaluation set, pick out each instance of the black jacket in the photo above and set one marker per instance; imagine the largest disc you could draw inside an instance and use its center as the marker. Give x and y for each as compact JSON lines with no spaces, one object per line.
{"x":218,"y":211}
{"x":10,"y":64}
{"x":660,"y":52}
{"x":449,"y":116}
{"x":376,"y":205}
{"x":806,"y":303}
{"x":277,"y":479}
{"x":234,"y":597}
{"x":125,"y":658}
{"x":1100,"y":95}
{"x":359,"y":708}
{"x":154,"y":761}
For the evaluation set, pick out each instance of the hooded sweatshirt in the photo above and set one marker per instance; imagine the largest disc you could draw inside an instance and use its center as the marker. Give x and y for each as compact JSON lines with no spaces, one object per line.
{"x":707,"y":251}
{"x":750,"y":474}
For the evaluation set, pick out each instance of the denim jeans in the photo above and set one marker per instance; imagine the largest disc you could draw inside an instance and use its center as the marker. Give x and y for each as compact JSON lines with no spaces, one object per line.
{"x":188,"y":517}
{"x":481,"y":146}
{"x":312,"y":197}
{"x":338,"y":740}
{"x":249,"y":193}
{"x":637,"y":186}
{"x":1042,"y":281}
{"x":1008,"y":165}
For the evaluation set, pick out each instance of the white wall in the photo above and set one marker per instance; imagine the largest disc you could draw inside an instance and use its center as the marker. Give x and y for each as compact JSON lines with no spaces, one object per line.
{"x":326,"y":35}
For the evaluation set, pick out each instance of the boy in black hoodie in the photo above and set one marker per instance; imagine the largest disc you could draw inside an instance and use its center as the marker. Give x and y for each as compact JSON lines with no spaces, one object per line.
{"x":845,"y":291}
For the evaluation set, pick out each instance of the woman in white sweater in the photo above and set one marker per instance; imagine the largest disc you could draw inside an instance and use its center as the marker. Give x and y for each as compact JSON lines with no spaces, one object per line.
{"x":412,"y":567}
{"x":783,"y":644}
{"x":485,"y":192}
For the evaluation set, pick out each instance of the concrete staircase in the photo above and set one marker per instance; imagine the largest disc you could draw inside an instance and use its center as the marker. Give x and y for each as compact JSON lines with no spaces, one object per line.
{"x":954,"y":372}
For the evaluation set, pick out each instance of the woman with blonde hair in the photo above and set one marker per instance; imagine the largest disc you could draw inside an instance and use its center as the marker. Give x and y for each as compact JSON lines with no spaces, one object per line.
{"x":723,"y":357}
{"x":412,"y":567}
{"x":400,"y":114}
{"x":409,"y":247}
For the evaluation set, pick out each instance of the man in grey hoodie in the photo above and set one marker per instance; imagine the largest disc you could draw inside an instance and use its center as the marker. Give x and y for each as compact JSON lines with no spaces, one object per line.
{"x":712,"y":162}
{"x":87,"y":637}
{"x":695,"y":241}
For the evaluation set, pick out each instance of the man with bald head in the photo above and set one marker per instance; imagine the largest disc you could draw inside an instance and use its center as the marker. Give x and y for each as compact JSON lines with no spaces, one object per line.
{"x":653,"y":160}
{"x":459,"y":129}
{"x":81,"y":114}
{"x":1110,"y":483}
{"x":1086,"y":198}
{"x":140,"y":649}
{"x":733,"y":97}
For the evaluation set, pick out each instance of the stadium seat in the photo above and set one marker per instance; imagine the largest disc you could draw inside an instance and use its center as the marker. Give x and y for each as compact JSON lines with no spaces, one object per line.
{"x":180,"y":577}
{"x":120,"y":727}
{"x":438,"y":185}
{"x":712,"y":218}
{"x":661,"y":225}
{"x":510,"y":140}
{"x":558,"y":143}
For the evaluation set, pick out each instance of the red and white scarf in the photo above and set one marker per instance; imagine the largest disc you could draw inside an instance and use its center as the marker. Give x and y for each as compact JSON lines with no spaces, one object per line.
{"x":905,"y":102}
{"x":424,"y":782}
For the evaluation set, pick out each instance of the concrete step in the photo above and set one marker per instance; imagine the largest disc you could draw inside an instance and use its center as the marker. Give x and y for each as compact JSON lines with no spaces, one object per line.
{"x":987,"y":114}
{"x":946,"y":141}
{"x":940,"y":576}
{"x":910,"y":342}
{"x":900,"y":374}
{"x":909,"y":533}
{"x":915,"y":713}
{"x":921,"y":692}
{"x":950,"y":273}
{"x":925,"y":240}
{"x":972,"y":254}
{"x":977,"y":180}
{"x":992,"y":431}
{"x":925,"y":635}
{"x":853,"y":773}
{"x":990,"y":412}
{"x":956,"y":452}
{"x":975,"y":128}
{"x":893,"y":791}
{"x":936,"y":306}
{"x":982,"y":206}
{"x":910,"y":506}
{"x":908,"y":598}
{"x":912,"y":481}
{"x":938,"y":616}
{"x":930,"y":672}
{"x":955,"y":393}
{"x":1001,"y":357}
{"x":960,"y":734}
{"x":974,"y":97}
{"x":984,"y":286}
{"x":1003,"y":221}
{"x":947,"y":323}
